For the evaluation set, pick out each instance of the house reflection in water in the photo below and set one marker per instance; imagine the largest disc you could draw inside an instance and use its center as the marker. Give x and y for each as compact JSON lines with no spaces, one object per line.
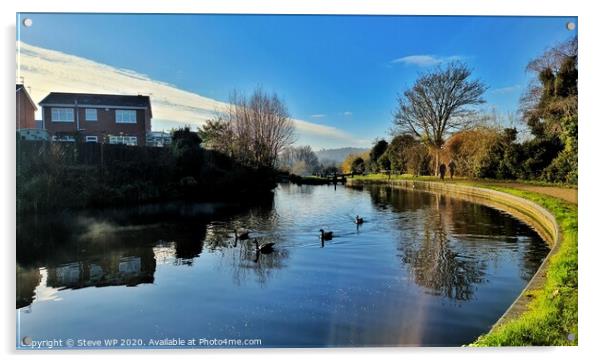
{"x":116,"y":247}
{"x":110,"y":270}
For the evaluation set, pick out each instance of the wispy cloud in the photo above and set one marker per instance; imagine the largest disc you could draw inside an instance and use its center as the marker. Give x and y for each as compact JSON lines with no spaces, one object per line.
{"x":506,"y":90}
{"x":319,"y":115}
{"x":423,"y":60}
{"x":347,"y":113}
{"x":45,"y":71}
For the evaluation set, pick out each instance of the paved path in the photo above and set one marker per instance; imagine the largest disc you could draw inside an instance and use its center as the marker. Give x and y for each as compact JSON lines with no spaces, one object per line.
{"x":568,"y":194}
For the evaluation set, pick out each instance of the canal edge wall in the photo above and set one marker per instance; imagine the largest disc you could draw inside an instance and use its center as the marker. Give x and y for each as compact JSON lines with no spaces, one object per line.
{"x":536,"y":216}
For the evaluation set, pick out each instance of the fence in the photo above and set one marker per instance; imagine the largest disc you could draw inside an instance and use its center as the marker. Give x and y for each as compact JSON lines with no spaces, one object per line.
{"x":88,"y":153}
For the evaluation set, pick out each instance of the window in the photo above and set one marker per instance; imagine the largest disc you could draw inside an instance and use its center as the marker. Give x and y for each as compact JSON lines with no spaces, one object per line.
{"x":91,"y":138}
{"x":91,"y":114}
{"x":125,"y":116}
{"x":63,"y":138}
{"x":62,"y":114}
{"x":158,"y":139}
{"x":126,"y":140}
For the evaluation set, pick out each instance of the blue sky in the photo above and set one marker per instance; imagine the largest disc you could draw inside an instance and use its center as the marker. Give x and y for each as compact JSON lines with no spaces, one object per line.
{"x":338,"y":71}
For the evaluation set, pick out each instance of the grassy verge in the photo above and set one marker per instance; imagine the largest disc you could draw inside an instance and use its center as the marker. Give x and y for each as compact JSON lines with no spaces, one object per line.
{"x":552,"y":314}
{"x":462,"y":180}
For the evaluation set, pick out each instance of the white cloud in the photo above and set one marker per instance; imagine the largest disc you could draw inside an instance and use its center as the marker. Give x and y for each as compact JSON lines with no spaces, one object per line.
{"x":506,"y":90}
{"x":319,"y":115}
{"x":347,"y":113}
{"x":423,"y":60}
{"x":45,"y":71}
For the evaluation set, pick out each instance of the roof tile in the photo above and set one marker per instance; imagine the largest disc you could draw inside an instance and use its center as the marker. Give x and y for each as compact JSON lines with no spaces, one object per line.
{"x":96,"y":99}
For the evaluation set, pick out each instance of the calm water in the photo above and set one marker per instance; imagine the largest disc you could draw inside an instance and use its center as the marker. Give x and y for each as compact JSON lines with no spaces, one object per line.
{"x":424,"y":269}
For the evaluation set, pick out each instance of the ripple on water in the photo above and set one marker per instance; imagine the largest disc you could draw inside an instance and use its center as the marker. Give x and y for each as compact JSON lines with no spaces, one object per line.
{"x":424,"y":269}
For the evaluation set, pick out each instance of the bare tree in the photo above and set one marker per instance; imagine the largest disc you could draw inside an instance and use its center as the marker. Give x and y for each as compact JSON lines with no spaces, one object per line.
{"x":260,"y":126}
{"x":299,"y":160}
{"x":287,"y":158}
{"x":553,"y":57}
{"x":439,"y":102}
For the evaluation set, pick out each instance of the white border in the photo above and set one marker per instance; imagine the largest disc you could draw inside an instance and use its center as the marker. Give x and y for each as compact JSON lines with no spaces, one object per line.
{"x":423,"y":7}
{"x":590,"y":133}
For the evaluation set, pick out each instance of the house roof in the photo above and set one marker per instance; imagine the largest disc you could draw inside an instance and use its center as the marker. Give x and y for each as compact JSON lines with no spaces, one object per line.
{"x":21,"y":87}
{"x":93,"y":99}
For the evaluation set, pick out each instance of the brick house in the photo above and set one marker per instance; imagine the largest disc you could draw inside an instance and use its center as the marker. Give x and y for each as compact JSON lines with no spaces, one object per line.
{"x":113,"y":119}
{"x":26,"y":109}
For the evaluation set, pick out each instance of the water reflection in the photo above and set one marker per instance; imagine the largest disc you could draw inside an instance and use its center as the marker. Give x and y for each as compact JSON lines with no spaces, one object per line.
{"x":440,"y":252}
{"x":126,"y":267}
{"x":435,"y":263}
{"x":245,"y":262}
{"x":423,"y":269}
{"x":123,"y":246}
{"x":27,"y":281}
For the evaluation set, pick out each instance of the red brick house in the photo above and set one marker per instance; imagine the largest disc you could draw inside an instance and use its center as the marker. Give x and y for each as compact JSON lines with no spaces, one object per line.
{"x":26,"y":109}
{"x":113,"y":119}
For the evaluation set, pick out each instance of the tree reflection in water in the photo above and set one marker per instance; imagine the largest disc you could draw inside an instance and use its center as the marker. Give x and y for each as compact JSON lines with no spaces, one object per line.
{"x":123,"y":247}
{"x":435,"y":263}
{"x":434,"y":259}
{"x":241,"y":257}
{"x":27,"y":281}
{"x":247,"y":262}
{"x":423,"y":269}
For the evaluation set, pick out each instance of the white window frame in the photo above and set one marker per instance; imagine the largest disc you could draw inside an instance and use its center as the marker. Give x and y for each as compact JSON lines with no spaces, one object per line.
{"x":91,"y":138}
{"x":64,"y":138}
{"x":91,"y":114}
{"x":125,"y":116}
{"x":123,"y":139}
{"x":62,"y":114}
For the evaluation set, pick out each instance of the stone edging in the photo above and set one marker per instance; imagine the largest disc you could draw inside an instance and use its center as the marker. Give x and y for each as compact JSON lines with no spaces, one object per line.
{"x":527,"y":211}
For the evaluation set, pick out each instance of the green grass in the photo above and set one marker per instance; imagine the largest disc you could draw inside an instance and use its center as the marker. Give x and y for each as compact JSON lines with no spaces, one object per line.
{"x":552,"y":314}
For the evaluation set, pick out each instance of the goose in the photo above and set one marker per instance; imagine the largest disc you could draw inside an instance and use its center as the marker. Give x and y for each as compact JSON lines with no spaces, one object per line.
{"x":359,"y":220}
{"x":325,"y":235}
{"x":264,"y":247}
{"x":241,"y":234}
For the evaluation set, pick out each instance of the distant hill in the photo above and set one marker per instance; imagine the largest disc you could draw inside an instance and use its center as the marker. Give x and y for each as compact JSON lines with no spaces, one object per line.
{"x":337,"y":155}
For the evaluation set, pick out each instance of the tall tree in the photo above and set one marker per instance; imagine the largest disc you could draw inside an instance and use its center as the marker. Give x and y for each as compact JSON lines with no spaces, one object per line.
{"x":439,"y":101}
{"x":217,"y":135}
{"x":347,"y":164}
{"x":549,"y":108}
{"x":398,"y":151}
{"x":358,"y":166}
{"x":186,"y":149}
{"x":552,"y":95}
{"x":376,"y":152}
{"x":261,"y":127}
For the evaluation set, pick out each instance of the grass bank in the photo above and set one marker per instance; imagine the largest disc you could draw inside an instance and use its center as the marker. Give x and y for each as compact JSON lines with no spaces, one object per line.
{"x":552,"y":313}
{"x":464,"y":180}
